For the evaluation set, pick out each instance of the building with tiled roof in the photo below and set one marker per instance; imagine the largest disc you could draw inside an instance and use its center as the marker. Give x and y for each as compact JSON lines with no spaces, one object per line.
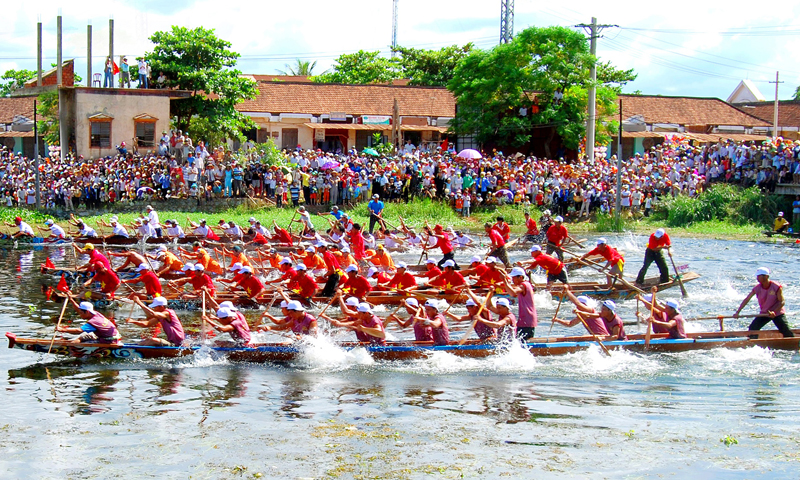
{"x":330,"y":116}
{"x":16,"y":124}
{"x":788,"y":116}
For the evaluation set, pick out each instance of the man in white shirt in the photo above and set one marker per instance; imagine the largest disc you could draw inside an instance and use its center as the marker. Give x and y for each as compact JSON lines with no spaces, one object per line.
{"x":118,"y":230}
{"x":152,"y":215}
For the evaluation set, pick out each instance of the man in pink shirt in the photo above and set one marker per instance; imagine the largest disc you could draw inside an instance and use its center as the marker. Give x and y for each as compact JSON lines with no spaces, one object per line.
{"x":772,"y":306}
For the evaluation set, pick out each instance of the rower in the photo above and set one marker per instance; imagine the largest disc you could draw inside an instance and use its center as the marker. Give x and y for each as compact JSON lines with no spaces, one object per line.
{"x":199,"y":280}
{"x":97,"y":327}
{"x":236,"y":270}
{"x":532,"y":231}
{"x":158,"y":314}
{"x":333,"y":271}
{"x":237,"y":255}
{"x":483,"y":327}
{"x":554,"y":268}
{"x":132,"y":258}
{"x":232,"y":231}
{"x":436,"y":321}
{"x":498,"y":249}
{"x":229,"y":320}
{"x":169,"y":262}
{"x":771,"y":304}
{"x":556,"y":236}
{"x":83,"y":230}
{"x":311,"y":260}
{"x":612,"y":322}
{"x":668,"y":320}
{"x":506,"y":323}
{"x":174,"y":230}
{"x":368,"y":326}
{"x":654,"y":253}
{"x":303,"y":285}
{"x":356,"y":238}
{"x":356,"y":284}
{"x":463,"y":241}
{"x":118,"y":231}
{"x":95,"y":258}
{"x":286,"y":319}
{"x":109,"y":281}
{"x":259,"y":236}
{"x":305,"y":219}
{"x":152,"y":286}
{"x":202,"y":229}
{"x":145,"y":230}
{"x":422,"y":333}
{"x":383,"y":260}
{"x":252,"y":229}
{"x":523,"y":290}
{"x":281,"y":236}
{"x":491,"y":278}
{"x":502,"y":228}
{"x":250,"y":283}
{"x":56,"y":232}
{"x":381,"y":279}
{"x":583,"y":310}
{"x":476,"y":268}
{"x":448,"y":280}
{"x":301,"y":323}
{"x":402,"y":279}
{"x":444,"y":244}
{"x":615,"y":260}
{"x":201,"y":256}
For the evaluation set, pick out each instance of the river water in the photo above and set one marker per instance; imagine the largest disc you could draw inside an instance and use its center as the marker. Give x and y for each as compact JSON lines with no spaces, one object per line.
{"x":335,"y":414}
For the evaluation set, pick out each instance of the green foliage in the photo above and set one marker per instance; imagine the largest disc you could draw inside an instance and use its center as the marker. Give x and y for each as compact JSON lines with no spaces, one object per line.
{"x":383,"y":148}
{"x":722,"y":202}
{"x":29,"y":216}
{"x":431,"y":67}
{"x":796,"y":95}
{"x":14,"y":79}
{"x":361,"y":68}
{"x":198,"y":61}
{"x":605,"y":222}
{"x":300,"y":68}
{"x":47,"y":110}
{"x":729,"y":440}
{"x":267,"y":153}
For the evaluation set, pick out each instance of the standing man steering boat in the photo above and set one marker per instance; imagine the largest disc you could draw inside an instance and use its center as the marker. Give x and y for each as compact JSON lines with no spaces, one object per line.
{"x":654,"y":253}
{"x":772,"y":305}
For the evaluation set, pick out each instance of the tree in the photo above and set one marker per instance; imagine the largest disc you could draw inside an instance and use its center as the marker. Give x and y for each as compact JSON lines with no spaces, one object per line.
{"x":796,"y":95}
{"x":14,"y":79}
{"x":47,"y":110}
{"x":431,"y":67}
{"x":301,"y":68}
{"x":198,"y":61}
{"x":538,"y":80}
{"x":361,"y":68}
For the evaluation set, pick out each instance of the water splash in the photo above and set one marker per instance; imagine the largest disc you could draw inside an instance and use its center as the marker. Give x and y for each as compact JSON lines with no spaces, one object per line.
{"x":322,"y":352}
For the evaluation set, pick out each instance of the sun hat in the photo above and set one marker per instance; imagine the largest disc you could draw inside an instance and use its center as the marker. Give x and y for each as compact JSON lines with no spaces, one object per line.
{"x":517,"y":272}
{"x":433,"y":303}
{"x":229,"y":305}
{"x":223,"y":313}
{"x":401,"y":265}
{"x":245,"y":270}
{"x":351,"y":302}
{"x":199,"y":268}
{"x":412,"y":302}
{"x":300,"y":267}
{"x":236,"y":267}
{"x":364,"y":308}
{"x":285,"y":261}
{"x":449,"y":263}
{"x":475,"y":258}
{"x":351,"y":268}
{"x":536,"y":248}
{"x":762,"y":271}
{"x":372,"y":271}
{"x":296,"y":306}
{"x":660,"y":233}
{"x":674,"y":305}
{"x":86,"y":306}
{"x":502,"y":302}
{"x":609,"y":304}
{"x":471,"y":303}
{"x":159,"y":302}
{"x":601,"y":241}
{"x":583,"y":299}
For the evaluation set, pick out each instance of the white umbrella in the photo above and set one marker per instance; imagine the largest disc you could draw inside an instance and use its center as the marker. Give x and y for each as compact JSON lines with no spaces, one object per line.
{"x":469,"y":153}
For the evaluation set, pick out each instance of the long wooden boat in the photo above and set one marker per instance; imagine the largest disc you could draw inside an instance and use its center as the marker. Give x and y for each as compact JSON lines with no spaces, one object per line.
{"x":620,"y":290}
{"x":770,"y":233}
{"x":26,"y":242}
{"x":403,"y":351}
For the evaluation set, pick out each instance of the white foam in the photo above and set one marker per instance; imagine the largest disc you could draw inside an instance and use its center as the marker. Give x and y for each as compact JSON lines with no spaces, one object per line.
{"x":322,"y":352}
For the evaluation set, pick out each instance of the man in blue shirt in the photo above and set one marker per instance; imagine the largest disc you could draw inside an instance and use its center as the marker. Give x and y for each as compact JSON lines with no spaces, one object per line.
{"x":375,"y":208}
{"x":238,"y":177}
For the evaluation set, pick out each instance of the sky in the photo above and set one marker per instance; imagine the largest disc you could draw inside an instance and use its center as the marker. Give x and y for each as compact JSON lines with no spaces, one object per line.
{"x":701,"y":49}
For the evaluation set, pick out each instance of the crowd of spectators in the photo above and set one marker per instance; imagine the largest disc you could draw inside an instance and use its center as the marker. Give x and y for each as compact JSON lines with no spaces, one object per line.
{"x":572,"y":189}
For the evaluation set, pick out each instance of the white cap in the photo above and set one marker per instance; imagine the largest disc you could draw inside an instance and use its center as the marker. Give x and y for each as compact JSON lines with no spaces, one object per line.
{"x":609,"y":304}
{"x":364,"y":308}
{"x":285,"y":261}
{"x":674,"y":305}
{"x":601,"y":241}
{"x":412,"y":302}
{"x":187,"y":267}
{"x":245,"y":270}
{"x":86,"y":306}
{"x":162,"y":248}
{"x":142,"y":267}
{"x":320,"y":244}
{"x":351,"y":268}
{"x":517,"y":272}
{"x":252,"y":219}
{"x":229,"y":305}
{"x":351,"y":302}
{"x":310,"y":250}
{"x":536,"y":248}
{"x":295,"y":305}
{"x":284,"y":304}
{"x":583,"y":299}
{"x":471,"y":303}
{"x":762,"y":271}
{"x":449,"y":263}
{"x":300,"y":267}
{"x":559,"y":219}
{"x":161,"y":253}
{"x":236,"y":267}
{"x":401,"y":265}
{"x":430,"y":260}
{"x":433,"y":303}
{"x":780,"y":214}
{"x":475,"y":258}
{"x":199,"y":268}
{"x":490,"y":260}
{"x":648,"y":297}
{"x":660,"y":233}
{"x":345,"y":249}
{"x":159,"y":302}
{"x":502,"y":302}
{"x":372,"y":271}
{"x":223,"y":313}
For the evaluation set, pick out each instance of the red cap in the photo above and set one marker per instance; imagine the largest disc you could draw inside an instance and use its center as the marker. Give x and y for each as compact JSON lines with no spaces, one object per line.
{"x":17,"y":219}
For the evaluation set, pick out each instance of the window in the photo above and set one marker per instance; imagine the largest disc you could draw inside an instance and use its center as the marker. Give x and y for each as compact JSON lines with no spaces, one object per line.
{"x":100,"y":134}
{"x":146,"y":134}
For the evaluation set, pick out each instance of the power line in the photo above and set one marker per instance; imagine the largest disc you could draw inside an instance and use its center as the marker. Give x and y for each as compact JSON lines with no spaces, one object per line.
{"x":768,"y":31}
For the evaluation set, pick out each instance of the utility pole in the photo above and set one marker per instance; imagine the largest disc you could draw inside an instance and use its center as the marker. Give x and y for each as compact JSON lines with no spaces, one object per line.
{"x":775,"y":113}
{"x":594,"y":31}
{"x":618,"y":204}
{"x":394,"y":26}
{"x":506,"y":20}
{"x":36,"y":157}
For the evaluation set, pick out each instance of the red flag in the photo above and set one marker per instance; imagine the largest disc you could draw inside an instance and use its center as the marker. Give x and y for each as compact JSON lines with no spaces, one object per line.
{"x":48,"y":293}
{"x":62,"y":285}
{"x":212,"y":236}
{"x":116,"y":68}
{"x":49,"y":263}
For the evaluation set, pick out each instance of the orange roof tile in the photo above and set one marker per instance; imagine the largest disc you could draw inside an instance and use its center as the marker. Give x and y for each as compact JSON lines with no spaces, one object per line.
{"x":788,"y":111}
{"x":318,"y":99}
{"x":686,"y":111}
{"x":11,"y":106}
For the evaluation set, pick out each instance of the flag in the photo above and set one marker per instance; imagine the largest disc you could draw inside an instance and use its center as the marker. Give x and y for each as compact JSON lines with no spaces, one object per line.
{"x":49,"y":263}
{"x":62,"y":285}
{"x":116,"y":68}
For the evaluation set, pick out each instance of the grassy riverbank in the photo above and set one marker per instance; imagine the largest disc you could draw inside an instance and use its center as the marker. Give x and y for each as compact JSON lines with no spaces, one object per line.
{"x":722,"y":212}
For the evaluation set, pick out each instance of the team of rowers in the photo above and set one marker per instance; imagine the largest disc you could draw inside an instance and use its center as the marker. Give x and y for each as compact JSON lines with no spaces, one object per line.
{"x":343,"y":268}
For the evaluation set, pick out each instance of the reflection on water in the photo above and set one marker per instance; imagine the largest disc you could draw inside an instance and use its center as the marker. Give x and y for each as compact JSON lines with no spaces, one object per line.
{"x":337,"y":413}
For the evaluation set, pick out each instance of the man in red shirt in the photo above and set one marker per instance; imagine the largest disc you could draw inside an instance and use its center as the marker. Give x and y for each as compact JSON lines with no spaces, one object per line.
{"x":152,"y":286}
{"x":333,"y":269}
{"x":356,"y":285}
{"x":476,"y":268}
{"x":498,"y":244}
{"x":109,"y":281}
{"x":556,"y":235}
{"x":615,"y":260}
{"x":357,"y":242}
{"x":200,"y":281}
{"x":381,"y":279}
{"x":492,"y":278}
{"x":433,"y":270}
{"x":402,"y":279}
{"x":304,"y":285}
{"x":250,"y":283}
{"x":449,"y":279}
{"x":532,"y":230}
{"x":282,"y":235}
{"x":554,"y":268}
{"x":658,"y":241}
{"x":502,"y":227}
{"x":443,"y":243}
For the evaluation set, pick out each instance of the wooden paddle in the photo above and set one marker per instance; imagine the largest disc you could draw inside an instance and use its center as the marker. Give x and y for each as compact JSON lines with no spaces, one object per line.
{"x":583,"y":321}
{"x":203,"y":319}
{"x":677,"y":275}
{"x":649,"y":323}
{"x":477,"y":319}
{"x":599,"y":268}
{"x":555,"y":315}
{"x":52,"y":340}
